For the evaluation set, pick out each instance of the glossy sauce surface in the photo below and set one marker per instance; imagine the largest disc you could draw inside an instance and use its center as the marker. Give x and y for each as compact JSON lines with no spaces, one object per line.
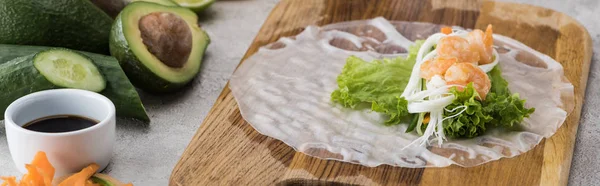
{"x":60,"y":123}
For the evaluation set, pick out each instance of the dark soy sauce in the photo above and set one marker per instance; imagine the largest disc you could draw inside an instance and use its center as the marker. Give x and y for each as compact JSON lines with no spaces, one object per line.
{"x":60,"y":123}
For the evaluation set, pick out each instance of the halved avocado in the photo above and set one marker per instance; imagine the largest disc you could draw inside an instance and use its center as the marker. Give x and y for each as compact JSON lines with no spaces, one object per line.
{"x":159,"y":47}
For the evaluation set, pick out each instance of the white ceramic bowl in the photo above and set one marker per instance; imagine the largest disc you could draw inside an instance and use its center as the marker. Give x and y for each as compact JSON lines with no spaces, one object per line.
{"x":68,"y":152}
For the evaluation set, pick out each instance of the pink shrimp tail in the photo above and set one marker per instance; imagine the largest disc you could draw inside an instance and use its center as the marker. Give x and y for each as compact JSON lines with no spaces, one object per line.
{"x":488,"y":40}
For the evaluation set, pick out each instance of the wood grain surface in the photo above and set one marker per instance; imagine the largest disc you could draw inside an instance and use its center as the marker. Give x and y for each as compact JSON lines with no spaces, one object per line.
{"x":228,"y":151}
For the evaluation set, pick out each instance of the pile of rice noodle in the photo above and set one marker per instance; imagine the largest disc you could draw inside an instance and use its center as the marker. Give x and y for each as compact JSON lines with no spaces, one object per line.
{"x":284,"y":90}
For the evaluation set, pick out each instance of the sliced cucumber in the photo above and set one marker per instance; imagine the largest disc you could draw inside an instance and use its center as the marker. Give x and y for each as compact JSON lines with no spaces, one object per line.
{"x":66,"y":68}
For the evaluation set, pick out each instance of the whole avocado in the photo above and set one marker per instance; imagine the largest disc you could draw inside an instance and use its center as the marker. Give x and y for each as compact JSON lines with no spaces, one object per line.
{"x":74,"y":24}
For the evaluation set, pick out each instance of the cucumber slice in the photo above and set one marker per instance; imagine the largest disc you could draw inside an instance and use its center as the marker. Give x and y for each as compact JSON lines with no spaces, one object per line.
{"x":65,"y":68}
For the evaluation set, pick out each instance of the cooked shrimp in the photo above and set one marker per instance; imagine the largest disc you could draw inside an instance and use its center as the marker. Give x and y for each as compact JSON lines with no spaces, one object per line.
{"x":437,"y":66}
{"x":482,"y":43}
{"x":455,"y":46}
{"x":465,"y":73}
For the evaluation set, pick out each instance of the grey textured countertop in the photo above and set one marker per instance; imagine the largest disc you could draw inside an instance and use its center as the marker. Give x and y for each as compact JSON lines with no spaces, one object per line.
{"x":146,"y":155}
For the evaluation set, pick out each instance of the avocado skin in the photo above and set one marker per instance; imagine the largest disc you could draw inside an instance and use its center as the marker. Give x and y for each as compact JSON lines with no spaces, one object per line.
{"x":137,"y":72}
{"x":74,"y":24}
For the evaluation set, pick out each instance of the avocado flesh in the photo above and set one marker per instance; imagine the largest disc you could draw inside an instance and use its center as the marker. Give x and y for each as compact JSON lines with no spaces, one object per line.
{"x":140,"y":47}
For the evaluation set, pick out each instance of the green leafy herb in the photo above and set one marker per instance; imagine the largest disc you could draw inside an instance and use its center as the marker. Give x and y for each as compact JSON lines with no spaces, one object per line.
{"x":499,"y":84}
{"x":507,"y":109}
{"x":379,"y":82}
{"x":470,"y":120}
{"x":500,"y":108}
{"x":394,"y":107}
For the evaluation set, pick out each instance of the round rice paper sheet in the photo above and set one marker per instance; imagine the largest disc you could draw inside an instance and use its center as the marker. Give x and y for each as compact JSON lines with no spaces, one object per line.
{"x":284,"y":90}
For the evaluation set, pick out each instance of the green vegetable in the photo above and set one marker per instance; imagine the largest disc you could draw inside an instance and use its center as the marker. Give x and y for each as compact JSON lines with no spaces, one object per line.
{"x":500,"y":108}
{"x":100,"y":181}
{"x":499,"y":84}
{"x":105,"y":180}
{"x":65,"y":68}
{"x":379,"y":83}
{"x":18,"y":78}
{"x":472,"y":121}
{"x":17,"y":70}
{"x":394,"y":107}
{"x":506,"y":109}
{"x":414,"y":121}
{"x":74,"y":24}
{"x":159,"y":47}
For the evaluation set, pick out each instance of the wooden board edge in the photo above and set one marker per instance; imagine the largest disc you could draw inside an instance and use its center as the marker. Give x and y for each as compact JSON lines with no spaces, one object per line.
{"x":562,"y":168}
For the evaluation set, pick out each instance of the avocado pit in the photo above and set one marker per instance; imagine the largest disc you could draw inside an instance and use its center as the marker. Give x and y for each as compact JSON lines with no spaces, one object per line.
{"x":167,"y":37}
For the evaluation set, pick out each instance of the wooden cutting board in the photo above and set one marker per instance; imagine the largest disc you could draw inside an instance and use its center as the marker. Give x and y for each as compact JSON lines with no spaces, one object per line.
{"x":228,"y":151}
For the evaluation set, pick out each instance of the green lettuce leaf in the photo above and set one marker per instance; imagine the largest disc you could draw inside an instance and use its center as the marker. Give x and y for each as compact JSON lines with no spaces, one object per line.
{"x":500,"y":108}
{"x":499,"y":84}
{"x":394,"y":107}
{"x":379,"y":83}
{"x":507,"y":109}
{"x":469,"y":123}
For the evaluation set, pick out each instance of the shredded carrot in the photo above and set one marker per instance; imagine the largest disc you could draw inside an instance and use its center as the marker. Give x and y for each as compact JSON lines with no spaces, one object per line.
{"x":129,"y":184}
{"x":446,"y":30}
{"x":33,"y":176}
{"x":79,"y":179}
{"x":41,"y":173}
{"x":426,"y":119}
{"x":44,"y":167}
{"x":9,"y":181}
